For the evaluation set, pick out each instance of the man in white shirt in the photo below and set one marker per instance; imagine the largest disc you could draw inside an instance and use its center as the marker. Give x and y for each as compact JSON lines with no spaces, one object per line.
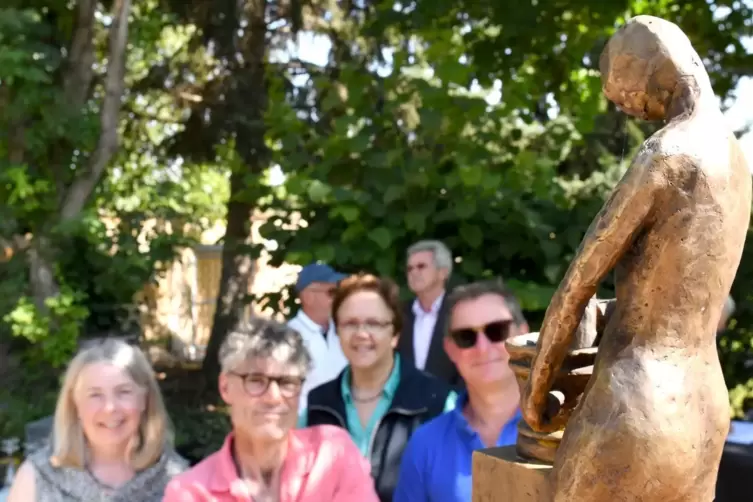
{"x":428,"y":268}
{"x":315,"y":286}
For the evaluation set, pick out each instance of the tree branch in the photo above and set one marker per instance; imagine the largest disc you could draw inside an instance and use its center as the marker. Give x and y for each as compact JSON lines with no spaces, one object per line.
{"x":79,"y":71}
{"x":83,"y":186}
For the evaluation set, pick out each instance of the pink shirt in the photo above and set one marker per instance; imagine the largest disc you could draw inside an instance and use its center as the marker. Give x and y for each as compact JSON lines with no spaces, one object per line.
{"x":322,"y":464}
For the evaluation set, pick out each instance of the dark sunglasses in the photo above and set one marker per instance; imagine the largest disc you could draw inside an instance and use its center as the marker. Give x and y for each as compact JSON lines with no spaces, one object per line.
{"x":495,"y":332}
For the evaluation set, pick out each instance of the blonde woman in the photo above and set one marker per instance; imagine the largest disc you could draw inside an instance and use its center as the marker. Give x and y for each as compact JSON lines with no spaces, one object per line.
{"x":111,"y":436}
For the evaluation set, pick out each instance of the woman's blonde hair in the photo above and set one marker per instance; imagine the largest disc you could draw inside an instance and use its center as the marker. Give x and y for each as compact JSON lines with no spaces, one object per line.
{"x":68,"y":442}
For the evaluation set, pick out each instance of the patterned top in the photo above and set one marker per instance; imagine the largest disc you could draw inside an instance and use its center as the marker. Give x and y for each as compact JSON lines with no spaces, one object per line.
{"x":65,"y":484}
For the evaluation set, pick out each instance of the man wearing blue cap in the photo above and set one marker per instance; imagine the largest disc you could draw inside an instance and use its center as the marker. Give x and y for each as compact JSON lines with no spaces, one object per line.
{"x":315,"y":286}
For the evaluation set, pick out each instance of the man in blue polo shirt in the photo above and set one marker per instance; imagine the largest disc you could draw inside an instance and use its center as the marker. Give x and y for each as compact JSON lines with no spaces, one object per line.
{"x":436,"y":465}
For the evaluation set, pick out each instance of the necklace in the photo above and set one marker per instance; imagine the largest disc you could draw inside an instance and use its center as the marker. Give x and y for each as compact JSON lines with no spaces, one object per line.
{"x":367,"y":399}
{"x":379,"y":393}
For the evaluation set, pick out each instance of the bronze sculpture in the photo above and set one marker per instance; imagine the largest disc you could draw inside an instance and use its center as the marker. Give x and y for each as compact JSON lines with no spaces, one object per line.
{"x":653,"y":419}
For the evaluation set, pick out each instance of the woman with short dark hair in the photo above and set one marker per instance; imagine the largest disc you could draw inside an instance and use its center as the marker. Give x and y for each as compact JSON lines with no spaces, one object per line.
{"x":378,"y":400}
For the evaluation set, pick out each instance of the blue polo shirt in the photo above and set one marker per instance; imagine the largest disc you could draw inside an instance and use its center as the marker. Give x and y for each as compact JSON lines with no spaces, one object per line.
{"x":437,"y":463}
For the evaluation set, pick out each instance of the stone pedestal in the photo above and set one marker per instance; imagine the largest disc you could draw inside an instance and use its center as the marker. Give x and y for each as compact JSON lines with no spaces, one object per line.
{"x":500,"y":475}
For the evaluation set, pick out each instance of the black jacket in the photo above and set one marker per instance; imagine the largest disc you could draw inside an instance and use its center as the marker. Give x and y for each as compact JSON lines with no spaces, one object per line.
{"x":419,"y":397}
{"x":437,"y":362}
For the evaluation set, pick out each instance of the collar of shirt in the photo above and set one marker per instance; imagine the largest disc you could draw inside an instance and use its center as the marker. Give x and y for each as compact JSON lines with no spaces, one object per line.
{"x":225,"y":477}
{"x":390,"y":386}
{"x":419,"y":311}
{"x":509,"y":431}
{"x":361,"y":435}
{"x":441,"y":450}
{"x":311,"y":326}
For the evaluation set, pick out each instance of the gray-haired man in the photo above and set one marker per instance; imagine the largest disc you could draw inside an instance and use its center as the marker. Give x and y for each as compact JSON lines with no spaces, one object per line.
{"x":429,"y":265}
{"x":264,"y":364}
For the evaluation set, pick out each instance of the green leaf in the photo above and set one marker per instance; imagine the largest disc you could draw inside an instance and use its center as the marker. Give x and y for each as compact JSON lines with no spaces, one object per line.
{"x":360,"y":142}
{"x":450,"y":70}
{"x":385,"y":264}
{"x":353,"y":233}
{"x":325,"y":253}
{"x":472,"y":266}
{"x":552,"y":271}
{"x":349,"y":213}
{"x":465,"y":208}
{"x":416,"y":222}
{"x":471,"y":234}
{"x":318,"y":191}
{"x":393,"y":193}
{"x":471,"y":176}
{"x":381,"y":236}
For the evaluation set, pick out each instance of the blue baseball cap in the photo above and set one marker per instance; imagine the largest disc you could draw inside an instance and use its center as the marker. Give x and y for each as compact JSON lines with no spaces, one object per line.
{"x":317,"y":272}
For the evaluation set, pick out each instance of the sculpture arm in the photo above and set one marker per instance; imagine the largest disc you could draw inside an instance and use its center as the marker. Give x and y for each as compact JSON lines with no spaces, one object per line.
{"x":609,"y":236}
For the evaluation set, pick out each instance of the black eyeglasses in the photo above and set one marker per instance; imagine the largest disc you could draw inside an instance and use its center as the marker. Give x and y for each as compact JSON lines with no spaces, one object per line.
{"x":256,"y":384}
{"x":495,"y":332}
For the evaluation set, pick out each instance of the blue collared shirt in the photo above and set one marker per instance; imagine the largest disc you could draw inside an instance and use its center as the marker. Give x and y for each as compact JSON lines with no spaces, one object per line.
{"x":439,"y":470}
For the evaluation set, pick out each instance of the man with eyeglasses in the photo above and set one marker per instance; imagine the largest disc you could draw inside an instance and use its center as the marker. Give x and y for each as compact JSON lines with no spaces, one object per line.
{"x":428,"y":269}
{"x":482,"y":316}
{"x":264,"y":459}
{"x":315,"y":287}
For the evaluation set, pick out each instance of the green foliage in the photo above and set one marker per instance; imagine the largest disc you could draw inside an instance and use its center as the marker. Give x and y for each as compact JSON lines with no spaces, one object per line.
{"x":741,"y":398}
{"x":145,"y":207}
{"x":35,"y":402}
{"x":199,"y":432}
{"x":109,"y":266}
{"x":392,"y":155}
{"x":52,"y":334}
{"x":432,"y":161}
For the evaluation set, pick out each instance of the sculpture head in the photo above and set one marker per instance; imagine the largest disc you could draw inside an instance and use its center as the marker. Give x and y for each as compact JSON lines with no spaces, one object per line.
{"x":646,"y":63}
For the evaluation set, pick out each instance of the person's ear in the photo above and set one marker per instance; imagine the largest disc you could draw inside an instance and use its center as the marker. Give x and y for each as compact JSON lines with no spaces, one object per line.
{"x":444,"y":274}
{"x":223,"y":385}
{"x":450,"y":349}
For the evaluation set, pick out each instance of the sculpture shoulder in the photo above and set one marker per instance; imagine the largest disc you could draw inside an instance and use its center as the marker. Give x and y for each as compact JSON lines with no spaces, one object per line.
{"x":674,"y":153}
{"x":694,"y":159}
{"x":705,"y":143}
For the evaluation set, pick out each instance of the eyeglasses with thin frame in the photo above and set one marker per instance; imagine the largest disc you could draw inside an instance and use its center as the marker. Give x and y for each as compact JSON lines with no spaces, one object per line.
{"x":370,"y":326}
{"x":417,"y":266}
{"x":256,"y":384}
{"x":495,"y":332}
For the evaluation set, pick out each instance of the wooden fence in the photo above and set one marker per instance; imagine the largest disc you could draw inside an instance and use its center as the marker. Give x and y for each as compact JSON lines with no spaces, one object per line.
{"x":181,"y":305}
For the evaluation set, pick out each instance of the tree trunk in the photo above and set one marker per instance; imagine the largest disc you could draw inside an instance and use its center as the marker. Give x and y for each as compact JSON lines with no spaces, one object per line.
{"x":76,"y":82}
{"x":235,"y":279}
{"x":78,"y":193}
{"x":237,"y":262}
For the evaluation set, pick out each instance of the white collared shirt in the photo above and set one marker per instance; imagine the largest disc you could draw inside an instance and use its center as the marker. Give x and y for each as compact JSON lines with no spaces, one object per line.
{"x":327,"y":358}
{"x":423,"y":330}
